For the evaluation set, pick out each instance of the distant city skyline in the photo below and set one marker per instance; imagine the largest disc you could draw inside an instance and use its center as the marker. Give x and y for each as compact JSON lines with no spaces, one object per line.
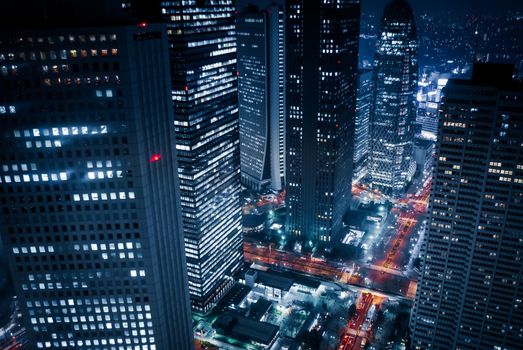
{"x":441,"y":6}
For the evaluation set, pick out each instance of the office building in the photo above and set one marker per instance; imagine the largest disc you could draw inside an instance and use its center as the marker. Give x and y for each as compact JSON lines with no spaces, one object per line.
{"x":423,"y":155}
{"x":393,"y":111}
{"x":321,"y":71}
{"x":89,"y":193}
{"x":260,"y":93}
{"x":361,"y":128}
{"x":469,"y":295}
{"x":202,"y":39}
{"x":428,"y":100}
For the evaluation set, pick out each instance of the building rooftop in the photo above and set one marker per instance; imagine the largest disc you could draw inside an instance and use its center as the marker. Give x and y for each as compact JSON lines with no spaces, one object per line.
{"x":259,"y":309}
{"x":490,"y":74}
{"x":271,"y":279}
{"x":235,"y":295}
{"x":48,"y":14}
{"x":246,"y":329}
{"x":356,"y":218}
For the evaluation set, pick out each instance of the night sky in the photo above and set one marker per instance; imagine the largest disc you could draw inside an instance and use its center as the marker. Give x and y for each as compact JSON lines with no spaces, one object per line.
{"x":463,"y":6}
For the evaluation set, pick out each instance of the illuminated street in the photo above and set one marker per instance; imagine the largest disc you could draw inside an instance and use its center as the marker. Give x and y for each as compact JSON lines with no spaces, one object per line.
{"x":385,"y":272}
{"x":384,"y":269}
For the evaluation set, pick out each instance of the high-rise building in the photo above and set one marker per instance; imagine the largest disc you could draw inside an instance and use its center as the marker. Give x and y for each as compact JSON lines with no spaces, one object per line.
{"x":202,"y":39}
{"x":393,"y":111}
{"x":428,"y":99}
{"x":321,"y":71}
{"x":260,"y":91}
{"x":89,"y":193}
{"x":423,"y":155}
{"x":361,"y":127}
{"x":470,"y":294}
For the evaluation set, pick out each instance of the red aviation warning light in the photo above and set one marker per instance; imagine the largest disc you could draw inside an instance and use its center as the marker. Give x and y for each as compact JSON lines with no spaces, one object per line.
{"x":155,"y":158}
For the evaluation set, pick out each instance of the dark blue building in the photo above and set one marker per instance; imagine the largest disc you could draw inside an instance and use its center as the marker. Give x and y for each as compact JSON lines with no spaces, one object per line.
{"x":321,"y":78}
{"x":89,"y":192}
{"x":393,"y":110}
{"x":361,"y":127}
{"x":469,"y":294}
{"x":261,"y":96}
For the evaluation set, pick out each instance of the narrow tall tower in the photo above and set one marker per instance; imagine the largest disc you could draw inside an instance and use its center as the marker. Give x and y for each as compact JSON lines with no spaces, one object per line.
{"x":321,"y":58}
{"x":470,"y":294}
{"x":393,"y":111}
{"x":89,"y":192}
{"x":361,"y":127}
{"x":202,"y":39}
{"x":260,"y":91}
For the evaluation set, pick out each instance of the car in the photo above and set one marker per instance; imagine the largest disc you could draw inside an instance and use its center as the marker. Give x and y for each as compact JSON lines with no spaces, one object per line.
{"x":344,"y":342}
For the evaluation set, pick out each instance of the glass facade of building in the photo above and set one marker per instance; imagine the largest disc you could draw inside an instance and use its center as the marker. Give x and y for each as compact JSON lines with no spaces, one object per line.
{"x":469,"y":295}
{"x":393,"y":112}
{"x":260,"y":90}
{"x":321,"y":78}
{"x":361,"y":128}
{"x":202,"y":39}
{"x":89,"y":196}
{"x":428,"y":100}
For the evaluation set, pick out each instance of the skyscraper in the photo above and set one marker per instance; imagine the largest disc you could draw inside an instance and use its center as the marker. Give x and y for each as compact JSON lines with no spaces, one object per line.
{"x":260,"y":91}
{"x":321,"y":70}
{"x":361,"y":128}
{"x":428,"y":100}
{"x":202,"y":39}
{"x":89,"y":193}
{"x":393,"y":112}
{"x":470,"y":293}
